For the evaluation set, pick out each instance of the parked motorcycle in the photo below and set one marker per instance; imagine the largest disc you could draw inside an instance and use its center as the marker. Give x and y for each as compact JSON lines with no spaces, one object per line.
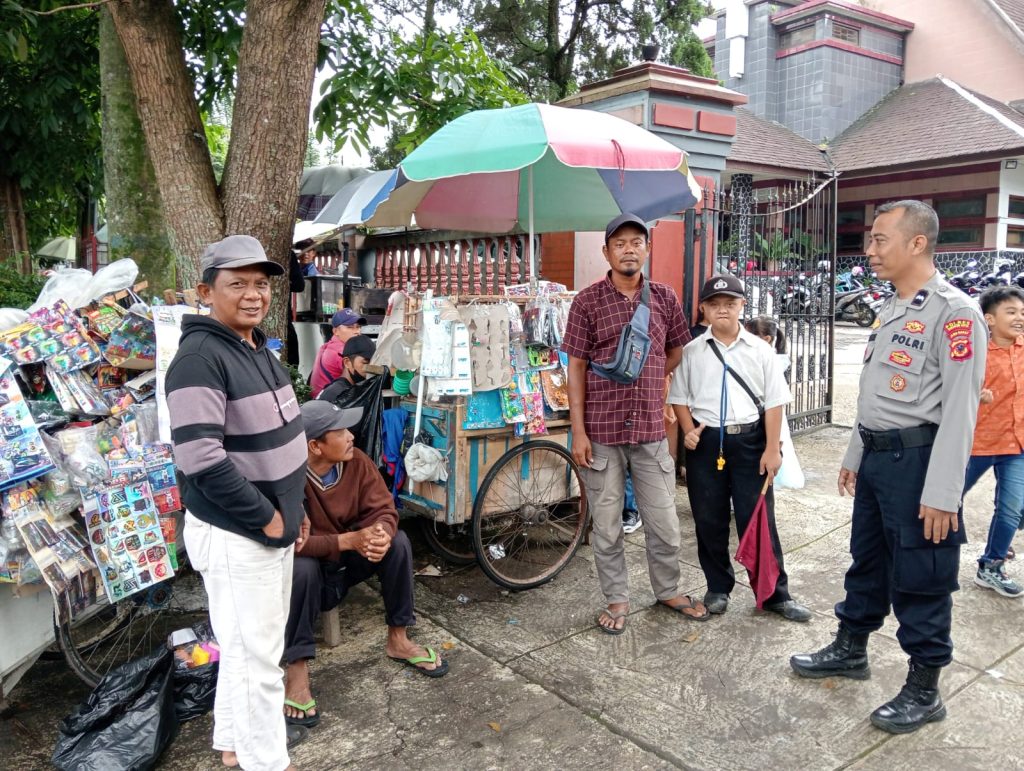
{"x":855,"y":306}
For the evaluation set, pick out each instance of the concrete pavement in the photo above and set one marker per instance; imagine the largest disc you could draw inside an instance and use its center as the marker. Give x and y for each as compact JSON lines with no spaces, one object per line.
{"x":533,"y":683}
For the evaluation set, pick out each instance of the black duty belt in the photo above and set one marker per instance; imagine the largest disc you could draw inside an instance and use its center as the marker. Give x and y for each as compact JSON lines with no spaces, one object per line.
{"x":898,"y":438}
{"x":742,"y":428}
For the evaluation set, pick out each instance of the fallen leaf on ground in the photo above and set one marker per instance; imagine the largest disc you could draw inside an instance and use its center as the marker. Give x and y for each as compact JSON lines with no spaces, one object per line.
{"x":447,"y":646}
{"x":691,"y":637}
{"x":494,"y":727}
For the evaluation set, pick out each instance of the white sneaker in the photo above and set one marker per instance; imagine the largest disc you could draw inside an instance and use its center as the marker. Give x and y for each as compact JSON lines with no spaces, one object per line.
{"x":631,"y":521}
{"x":992,"y":576}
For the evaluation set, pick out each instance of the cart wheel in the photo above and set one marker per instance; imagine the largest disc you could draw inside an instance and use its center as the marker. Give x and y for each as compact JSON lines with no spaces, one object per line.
{"x":529,"y":516}
{"x":107,"y":636}
{"x":452,"y":543}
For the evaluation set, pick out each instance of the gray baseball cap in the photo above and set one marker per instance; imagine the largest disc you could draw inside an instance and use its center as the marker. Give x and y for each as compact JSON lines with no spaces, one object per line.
{"x":626,"y":218}
{"x":319,"y":417}
{"x":238,"y":252}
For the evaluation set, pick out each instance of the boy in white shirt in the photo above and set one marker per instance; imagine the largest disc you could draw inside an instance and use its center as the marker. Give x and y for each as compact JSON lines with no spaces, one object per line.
{"x":731,"y":437}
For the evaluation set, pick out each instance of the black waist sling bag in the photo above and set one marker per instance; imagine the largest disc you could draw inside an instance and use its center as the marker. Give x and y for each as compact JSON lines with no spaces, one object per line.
{"x":634,"y":345}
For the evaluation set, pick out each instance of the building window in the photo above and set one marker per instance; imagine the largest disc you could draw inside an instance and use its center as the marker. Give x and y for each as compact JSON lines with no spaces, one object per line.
{"x":796,"y":37}
{"x":1014,"y":238}
{"x":850,"y":229}
{"x":1017,"y":207}
{"x":846,"y":33}
{"x":961,"y":221}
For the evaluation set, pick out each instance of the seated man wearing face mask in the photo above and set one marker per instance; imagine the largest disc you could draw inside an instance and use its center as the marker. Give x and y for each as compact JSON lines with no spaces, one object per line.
{"x":354,"y":357}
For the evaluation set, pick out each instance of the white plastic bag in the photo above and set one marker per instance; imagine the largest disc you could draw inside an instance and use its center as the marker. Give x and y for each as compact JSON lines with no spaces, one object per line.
{"x":790,"y":474}
{"x":11,"y":317}
{"x":78,"y":287}
{"x":424,"y":463}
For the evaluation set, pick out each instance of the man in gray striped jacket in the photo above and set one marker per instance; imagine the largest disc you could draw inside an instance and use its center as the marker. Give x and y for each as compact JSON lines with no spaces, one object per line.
{"x":241,"y":453}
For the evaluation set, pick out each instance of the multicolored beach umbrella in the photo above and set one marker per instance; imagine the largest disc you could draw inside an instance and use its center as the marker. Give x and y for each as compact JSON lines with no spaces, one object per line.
{"x":535,"y":167}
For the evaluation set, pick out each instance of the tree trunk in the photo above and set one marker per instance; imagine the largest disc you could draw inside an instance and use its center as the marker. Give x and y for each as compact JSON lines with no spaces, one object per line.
{"x":276,"y":64}
{"x":151,"y":36}
{"x":135,"y":218}
{"x":13,"y":234}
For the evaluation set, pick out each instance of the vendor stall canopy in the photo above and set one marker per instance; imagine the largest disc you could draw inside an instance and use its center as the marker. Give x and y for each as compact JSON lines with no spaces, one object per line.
{"x":534,"y":167}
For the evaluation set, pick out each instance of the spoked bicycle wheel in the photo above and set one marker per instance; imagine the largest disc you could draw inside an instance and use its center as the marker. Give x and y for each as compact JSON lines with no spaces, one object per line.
{"x":529,"y":516}
{"x":106,"y":636}
{"x":452,"y":543}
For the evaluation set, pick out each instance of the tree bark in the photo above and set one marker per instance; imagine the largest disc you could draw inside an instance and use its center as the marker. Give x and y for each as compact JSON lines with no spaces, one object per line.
{"x":150,"y":34}
{"x":13,"y":233}
{"x":260,"y":187}
{"x":135,"y":218}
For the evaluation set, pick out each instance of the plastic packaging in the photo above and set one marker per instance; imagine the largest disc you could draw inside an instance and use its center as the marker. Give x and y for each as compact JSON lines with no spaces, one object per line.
{"x":127,"y":721}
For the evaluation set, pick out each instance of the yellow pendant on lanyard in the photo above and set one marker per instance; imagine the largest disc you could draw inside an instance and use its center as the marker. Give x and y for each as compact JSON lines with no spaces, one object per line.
{"x":721,"y":462}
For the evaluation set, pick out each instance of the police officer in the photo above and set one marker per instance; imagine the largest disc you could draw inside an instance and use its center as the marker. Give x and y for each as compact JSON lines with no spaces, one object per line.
{"x":918,"y":402}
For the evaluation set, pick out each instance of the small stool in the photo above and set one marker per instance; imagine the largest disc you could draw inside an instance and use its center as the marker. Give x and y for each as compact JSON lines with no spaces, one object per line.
{"x":331,"y":628}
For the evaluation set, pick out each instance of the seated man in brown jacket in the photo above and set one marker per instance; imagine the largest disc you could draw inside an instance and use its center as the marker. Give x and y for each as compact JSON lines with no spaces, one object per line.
{"x":353,"y":535}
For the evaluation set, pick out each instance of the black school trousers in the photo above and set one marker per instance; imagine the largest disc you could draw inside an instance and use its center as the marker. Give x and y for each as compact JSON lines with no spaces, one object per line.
{"x":711,"y":491}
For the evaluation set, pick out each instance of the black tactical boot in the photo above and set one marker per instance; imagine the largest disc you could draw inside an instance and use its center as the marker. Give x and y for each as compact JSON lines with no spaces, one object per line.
{"x":917,"y":703}
{"x":846,"y":656}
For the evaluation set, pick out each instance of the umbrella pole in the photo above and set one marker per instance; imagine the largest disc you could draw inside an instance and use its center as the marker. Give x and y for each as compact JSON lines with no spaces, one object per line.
{"x":533,"y":256}
{"x":428,"y":297}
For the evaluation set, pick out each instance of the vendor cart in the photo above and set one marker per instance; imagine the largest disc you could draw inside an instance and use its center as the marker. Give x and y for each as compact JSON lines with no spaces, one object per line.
{"x":515,"y":505}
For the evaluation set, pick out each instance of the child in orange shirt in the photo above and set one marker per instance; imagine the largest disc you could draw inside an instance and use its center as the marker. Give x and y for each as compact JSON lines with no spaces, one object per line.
{"x":999,"y":435}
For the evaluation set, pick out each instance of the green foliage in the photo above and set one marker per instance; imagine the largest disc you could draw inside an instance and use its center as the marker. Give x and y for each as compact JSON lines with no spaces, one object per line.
{"x":17,"y":290}
{"x":212,"y":35}
{"x":49,"y":114}
{"x":424,"y":82}
{"x":561,"y":43}
{"x":299,"y":384}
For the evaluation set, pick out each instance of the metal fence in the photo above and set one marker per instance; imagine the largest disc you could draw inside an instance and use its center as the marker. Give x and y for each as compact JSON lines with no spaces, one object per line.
{"x":780,"y":241}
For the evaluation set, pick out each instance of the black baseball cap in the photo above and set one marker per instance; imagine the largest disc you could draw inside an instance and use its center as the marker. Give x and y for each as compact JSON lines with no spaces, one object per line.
{"x":238,"y":252}
{"x":360,"y":345}
{"x":320,"y":417}
{"x":626,"y":218}
{"x":725,"y":284}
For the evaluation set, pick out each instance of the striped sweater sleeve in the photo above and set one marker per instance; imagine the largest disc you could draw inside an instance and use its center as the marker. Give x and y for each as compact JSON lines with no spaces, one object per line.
{"x":196,"y":403}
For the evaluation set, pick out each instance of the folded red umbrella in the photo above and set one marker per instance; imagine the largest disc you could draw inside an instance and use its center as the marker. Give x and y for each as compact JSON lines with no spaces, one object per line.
{"x":756,"y":553}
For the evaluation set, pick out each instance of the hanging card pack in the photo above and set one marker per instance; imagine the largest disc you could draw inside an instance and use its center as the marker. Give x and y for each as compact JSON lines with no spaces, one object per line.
{"x":22,"y":453}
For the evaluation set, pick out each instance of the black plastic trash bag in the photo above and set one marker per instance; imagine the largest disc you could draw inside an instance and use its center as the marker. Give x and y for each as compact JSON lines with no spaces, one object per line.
{"x":366,"y":394}
{"x":194,"y":691}
{"x":127,"y":721}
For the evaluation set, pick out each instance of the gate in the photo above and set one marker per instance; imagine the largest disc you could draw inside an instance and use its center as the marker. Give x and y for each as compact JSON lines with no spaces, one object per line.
{"x":780,"y":241}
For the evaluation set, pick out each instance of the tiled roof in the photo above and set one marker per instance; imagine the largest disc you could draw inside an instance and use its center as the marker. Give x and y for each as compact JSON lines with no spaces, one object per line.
{"x":928,"y":121}
{"x":1014,"y":10}
{"x":766,"y":143}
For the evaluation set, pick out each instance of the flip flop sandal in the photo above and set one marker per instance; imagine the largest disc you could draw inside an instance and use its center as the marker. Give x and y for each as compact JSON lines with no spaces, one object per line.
{"x":614,"y":617}
{"x":439,"y":671}
{"x":307,"y":720}
{"x":687,"y":605}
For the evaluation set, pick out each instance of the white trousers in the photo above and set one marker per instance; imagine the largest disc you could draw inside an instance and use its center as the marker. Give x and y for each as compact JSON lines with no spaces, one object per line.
{"x":249,"y":587}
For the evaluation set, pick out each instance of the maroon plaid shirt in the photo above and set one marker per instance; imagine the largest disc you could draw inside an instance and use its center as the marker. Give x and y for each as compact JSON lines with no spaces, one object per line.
{"x":617,"y":413}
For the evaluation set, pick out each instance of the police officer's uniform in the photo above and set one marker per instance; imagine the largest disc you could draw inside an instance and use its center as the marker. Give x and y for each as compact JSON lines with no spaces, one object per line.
{"x":918,"y":403}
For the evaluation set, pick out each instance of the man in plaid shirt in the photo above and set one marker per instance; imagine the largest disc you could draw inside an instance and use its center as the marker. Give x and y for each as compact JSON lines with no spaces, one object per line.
{"x":618,"y":427}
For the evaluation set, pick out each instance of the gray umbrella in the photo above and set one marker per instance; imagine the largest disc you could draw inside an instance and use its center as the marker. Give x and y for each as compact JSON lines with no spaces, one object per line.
{"x":320,"y":183}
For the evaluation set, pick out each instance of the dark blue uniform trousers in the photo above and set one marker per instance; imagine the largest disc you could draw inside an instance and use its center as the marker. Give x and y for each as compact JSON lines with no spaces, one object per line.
{"x":894,"y":564}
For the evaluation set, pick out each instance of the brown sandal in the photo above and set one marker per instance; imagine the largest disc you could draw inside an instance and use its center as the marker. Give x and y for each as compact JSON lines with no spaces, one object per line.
{"x":688,"y":603}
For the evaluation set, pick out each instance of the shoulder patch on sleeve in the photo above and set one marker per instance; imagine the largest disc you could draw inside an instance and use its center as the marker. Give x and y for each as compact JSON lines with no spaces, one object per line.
{"x":958,"y":331}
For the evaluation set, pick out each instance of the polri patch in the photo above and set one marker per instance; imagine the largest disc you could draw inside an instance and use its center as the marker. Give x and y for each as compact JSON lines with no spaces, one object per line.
{"x":900,"y":358}
{"x":914,"y":327}
{"x":898,"y":383}
{"x":959,"y":333}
